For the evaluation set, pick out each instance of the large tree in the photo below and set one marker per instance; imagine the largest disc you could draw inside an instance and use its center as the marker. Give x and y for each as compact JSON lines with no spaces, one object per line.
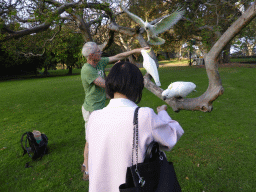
{"x":91,"y":16}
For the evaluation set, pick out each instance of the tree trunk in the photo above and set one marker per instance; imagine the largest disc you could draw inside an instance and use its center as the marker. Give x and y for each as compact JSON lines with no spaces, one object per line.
{"x":180,"y":56}
{"x":70,"y":70}
{"x":166,"y":56}
{"x":226,"y":54}
{"x":46,"y":70}
{"x":131,"y":59}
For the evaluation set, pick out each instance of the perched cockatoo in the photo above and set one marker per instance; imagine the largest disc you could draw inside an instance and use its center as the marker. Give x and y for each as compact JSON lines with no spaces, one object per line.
{"x":150,"y":66}
{"x":162,"y":25}
{"x":178,"y":89}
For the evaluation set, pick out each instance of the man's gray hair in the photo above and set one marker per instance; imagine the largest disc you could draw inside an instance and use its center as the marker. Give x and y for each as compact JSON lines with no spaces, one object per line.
{"x":88,"y":48}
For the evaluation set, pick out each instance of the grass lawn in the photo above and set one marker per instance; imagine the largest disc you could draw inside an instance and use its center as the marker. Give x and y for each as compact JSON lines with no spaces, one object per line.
{"x":216,"y":153}
{"x":175,"y":62}
{"x":242,"y":60}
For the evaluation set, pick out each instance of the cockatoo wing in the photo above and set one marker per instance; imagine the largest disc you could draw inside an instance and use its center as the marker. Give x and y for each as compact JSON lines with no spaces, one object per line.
{"x":135,"y":18}
{"x":181,"y":88}
{"x":156,"y":41}
{"x":168,"y":21}
{"x":150,"y":66}
{"x":187,"y":88}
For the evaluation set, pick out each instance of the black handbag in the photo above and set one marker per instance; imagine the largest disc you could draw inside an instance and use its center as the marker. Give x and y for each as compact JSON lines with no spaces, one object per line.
{"x":155,"y":174}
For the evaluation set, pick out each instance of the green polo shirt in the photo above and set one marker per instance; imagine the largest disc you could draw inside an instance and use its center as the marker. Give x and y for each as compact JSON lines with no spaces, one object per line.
{"x":95,"y":96}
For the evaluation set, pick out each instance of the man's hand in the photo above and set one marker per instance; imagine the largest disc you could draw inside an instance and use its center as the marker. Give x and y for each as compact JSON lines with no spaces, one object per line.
{"x":143,"y":48}
{"x":161,"y":108}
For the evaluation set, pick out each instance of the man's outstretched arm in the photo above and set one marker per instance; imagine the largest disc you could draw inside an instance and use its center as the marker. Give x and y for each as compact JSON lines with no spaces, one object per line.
{"x":123,"y":55}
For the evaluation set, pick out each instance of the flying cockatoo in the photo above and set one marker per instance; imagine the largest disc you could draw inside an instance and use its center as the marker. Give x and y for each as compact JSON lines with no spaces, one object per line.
{"x":150,"y":66}
{"x":162,"y":25}
{"x":178,"y":89}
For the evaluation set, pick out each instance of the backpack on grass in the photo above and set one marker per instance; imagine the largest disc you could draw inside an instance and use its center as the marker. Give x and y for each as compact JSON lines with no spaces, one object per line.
{"x":33,"y":148}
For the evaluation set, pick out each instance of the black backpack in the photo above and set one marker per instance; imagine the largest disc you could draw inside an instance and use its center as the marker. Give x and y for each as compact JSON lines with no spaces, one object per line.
{"x":35,"y":150}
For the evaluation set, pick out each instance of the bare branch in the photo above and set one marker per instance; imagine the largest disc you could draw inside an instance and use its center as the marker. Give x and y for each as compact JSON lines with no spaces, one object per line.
{"x":125,"y":30}
{"x":98,"y":20}
{"x":83,"y":26}
{"x":43,"y":47}
{"x":38,"y":28}
{"x":110,"y":40}
{"x":5,"y":28}
{"x":53,"y":2}
{"x":25,"y":20}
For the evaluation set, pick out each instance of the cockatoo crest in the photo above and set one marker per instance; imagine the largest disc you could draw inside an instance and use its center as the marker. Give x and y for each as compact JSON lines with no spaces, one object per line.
{"x":170,"y":86}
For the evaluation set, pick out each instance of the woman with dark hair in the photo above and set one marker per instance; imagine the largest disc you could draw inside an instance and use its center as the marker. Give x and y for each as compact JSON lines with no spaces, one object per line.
{"x":125,"y":78}
{"x":110,"y":130}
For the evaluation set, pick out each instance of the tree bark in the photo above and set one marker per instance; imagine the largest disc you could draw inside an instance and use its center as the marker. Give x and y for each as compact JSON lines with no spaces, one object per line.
{"x":226,"y":53}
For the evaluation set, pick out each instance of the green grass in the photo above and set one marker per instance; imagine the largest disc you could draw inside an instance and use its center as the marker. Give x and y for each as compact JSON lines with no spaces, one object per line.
{"x":60,"y":72}
{"x":243,"y":60}
{"x":216,"y":153}
{"x":175,"y":62}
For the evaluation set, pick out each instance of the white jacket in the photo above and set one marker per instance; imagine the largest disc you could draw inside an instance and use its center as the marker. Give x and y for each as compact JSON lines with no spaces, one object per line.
{"x":110,"y":136}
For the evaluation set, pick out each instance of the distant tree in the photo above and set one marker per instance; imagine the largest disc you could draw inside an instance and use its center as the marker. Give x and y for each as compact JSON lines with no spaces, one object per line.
{"x":67,"y":47}
{"x":206,"y":21}
{"x":246,"y":40}
{"x":16,"y":64}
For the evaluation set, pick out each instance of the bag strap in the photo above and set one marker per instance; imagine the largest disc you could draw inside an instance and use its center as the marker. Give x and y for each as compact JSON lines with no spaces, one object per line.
{"x":135,"y":145}
{"x":21,"y":141}
{"x":135,"y":134}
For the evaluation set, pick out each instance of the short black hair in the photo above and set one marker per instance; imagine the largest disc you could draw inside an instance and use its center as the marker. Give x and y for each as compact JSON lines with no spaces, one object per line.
{"x":127,"y":79}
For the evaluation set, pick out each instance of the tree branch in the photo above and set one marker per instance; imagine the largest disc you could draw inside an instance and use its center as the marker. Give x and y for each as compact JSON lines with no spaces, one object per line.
{"x":5,"y":28}
{"x":125,"y":30}
{"x":83,"y":26}
{"x":110,"y":40}
{"x":39,"y":28}
{"x":25,"y":20}
{"x":41,"y":54}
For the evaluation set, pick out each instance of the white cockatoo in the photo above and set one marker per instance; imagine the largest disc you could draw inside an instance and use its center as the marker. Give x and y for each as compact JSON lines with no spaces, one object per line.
{"x":150,"y":66}
{"x":178,"y":89}
{"x":164,"y":24}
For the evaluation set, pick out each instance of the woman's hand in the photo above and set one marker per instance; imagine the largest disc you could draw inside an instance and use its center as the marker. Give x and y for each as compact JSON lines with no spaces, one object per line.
{"x":161,"y":108}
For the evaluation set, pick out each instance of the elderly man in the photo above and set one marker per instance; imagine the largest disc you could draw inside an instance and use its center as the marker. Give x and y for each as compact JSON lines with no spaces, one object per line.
{"x":92,"y":75}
